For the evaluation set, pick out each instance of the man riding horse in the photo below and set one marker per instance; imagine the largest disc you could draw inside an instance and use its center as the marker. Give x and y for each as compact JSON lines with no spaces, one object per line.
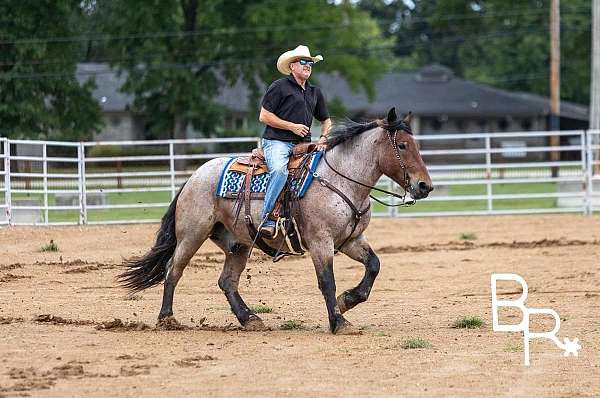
{"x":332,"y":216}
{"x":287,"y":110}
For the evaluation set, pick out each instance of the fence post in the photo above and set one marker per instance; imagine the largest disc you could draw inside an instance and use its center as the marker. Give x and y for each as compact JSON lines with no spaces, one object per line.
{"x":392,"y":210}
{"x":45,"y":172}
{"x":488,"y":172}
{"x":172,"y":168}
{"x":7,"y":192}
{"x":82,"y":193}
{"x":589,"y":187}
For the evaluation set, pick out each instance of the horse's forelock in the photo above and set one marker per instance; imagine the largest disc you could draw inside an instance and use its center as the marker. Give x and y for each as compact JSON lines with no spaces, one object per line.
{"x":398,"y":124}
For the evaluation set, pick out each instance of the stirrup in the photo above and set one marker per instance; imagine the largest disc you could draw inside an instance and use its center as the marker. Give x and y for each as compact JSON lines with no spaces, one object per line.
{"x":260,"y":229}
{"x":279,"y":226}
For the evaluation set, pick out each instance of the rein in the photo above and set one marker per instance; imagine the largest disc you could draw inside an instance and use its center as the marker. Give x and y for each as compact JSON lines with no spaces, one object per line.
{"x":356,"y":212}
{"x":371,"y":187}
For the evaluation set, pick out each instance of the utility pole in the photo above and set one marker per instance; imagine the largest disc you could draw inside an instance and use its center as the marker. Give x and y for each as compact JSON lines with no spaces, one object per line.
{"x":555,"y":80}
{"x":595,"y":88}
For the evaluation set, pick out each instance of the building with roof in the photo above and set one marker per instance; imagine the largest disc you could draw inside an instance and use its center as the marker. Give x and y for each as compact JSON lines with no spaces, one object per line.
{"x":442,"y":102}
{"x":439,"y":101}
{"x":120,"y":122}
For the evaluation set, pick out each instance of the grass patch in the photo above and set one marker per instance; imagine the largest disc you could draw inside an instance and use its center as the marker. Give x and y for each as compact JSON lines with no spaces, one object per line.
{"x":415,"y":344}
{"x":261,"y":309}
{"x":468,"y":322}
{"x":291,"y":324}
{"x":509,"y":347}
{"x":50,"y":247}
{"x":468,"y":236}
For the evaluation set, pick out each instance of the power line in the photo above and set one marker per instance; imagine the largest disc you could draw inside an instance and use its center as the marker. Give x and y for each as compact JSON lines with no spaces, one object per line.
{"x":236,"y":31}
{"x":460,"y":38}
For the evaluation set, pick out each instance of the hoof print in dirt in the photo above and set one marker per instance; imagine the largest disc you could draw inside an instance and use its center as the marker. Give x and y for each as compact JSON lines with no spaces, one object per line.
{"x":169,"y":323}
{"x":9,"y":319}
{"x":57,"y":320}
{"x":119,"y":325}
{"x":135,"y":370}
{"x":194,"y":361}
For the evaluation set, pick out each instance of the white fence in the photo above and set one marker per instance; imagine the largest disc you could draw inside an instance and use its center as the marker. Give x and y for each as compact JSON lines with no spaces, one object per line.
{"x":53,"y":183}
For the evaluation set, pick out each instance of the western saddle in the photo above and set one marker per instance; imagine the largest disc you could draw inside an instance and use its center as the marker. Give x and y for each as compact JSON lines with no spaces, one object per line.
{"x":258,"y":163}
{"x":255,"y":164}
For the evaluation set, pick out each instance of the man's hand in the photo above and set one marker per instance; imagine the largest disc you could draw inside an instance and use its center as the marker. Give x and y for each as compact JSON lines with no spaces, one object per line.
{"x":325,"y":127}
{"x":299,"y":129}
{"x":322,"y":144}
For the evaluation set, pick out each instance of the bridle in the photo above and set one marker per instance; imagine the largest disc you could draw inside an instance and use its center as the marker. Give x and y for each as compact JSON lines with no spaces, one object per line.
{"x":392,"y":135}
{"x":392,"y":138}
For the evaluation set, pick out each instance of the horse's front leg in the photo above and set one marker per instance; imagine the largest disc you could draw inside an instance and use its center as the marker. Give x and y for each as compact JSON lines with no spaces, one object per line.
{"x":359,"y":249}
{"x":322,"y":257}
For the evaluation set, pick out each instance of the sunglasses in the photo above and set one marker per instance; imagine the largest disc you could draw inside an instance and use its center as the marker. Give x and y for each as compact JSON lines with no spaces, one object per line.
{"x":306,"y":62}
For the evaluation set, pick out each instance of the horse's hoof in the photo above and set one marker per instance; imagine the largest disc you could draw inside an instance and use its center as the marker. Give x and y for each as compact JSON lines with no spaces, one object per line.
{"x":255,"y":325}
{"x":341,"y":302}
{"x":346,"y":328}
{"x":169,"y":323}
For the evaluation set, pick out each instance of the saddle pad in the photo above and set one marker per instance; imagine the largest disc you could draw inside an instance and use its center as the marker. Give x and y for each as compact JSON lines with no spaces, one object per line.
{"x":230,"y":181}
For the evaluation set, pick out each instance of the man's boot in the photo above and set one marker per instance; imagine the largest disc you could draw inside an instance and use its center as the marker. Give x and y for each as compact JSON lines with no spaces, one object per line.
{"x":268,"y":229}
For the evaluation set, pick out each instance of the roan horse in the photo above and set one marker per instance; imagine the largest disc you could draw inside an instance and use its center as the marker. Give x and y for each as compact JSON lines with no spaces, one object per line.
{"x":360,"y":151}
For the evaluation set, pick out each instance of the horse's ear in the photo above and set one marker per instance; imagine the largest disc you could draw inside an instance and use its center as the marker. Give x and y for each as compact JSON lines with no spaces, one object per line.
{"x":391,"y":117}
{"x":407,"y":118}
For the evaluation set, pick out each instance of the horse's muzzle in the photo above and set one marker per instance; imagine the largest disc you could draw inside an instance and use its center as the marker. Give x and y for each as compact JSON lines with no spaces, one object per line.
{"x":421,"y":190}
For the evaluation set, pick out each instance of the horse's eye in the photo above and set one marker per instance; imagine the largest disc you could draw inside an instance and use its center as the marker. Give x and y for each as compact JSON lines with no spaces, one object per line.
{"x":401,"y":145}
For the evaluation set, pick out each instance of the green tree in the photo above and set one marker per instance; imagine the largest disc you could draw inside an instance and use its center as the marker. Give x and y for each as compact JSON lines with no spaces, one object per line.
{"x":516,"y":53}
{"x":39,"y":93}
{"x":503,"y":43}
{"x":177,"y":54}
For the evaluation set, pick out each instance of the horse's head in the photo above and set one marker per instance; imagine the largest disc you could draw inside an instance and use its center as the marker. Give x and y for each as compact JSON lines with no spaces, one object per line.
{"x":399,"y":156}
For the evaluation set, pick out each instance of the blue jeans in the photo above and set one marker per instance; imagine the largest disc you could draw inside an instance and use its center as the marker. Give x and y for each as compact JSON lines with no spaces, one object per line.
{"x":277,"y":154}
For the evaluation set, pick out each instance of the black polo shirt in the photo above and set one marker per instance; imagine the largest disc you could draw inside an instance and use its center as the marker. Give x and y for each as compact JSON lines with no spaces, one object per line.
{"x":290,"y":102}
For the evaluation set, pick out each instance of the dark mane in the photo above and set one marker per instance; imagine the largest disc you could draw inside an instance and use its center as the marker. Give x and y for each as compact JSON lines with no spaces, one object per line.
{"x":346,"y":130}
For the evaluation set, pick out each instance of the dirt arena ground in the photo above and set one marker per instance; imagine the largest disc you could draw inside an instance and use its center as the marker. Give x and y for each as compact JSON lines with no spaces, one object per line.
{"x":59,"y":337}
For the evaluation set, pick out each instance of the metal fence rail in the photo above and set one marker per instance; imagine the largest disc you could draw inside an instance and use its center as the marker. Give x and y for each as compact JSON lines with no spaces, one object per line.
{"x":55,"y":183}
{"x":493,"y":170}
{"x":592,"y":196}
{"x":5,"y":176}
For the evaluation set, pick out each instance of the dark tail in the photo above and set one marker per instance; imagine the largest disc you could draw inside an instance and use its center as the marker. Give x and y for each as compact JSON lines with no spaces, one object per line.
{"x":151,"y":269}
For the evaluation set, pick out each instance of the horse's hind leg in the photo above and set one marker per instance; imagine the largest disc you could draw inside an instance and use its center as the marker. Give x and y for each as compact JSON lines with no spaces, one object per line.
{"x":235,"y":262}
{"x":359,"y":249}
{"x":185,"y":250}
{"x":236,"y":256}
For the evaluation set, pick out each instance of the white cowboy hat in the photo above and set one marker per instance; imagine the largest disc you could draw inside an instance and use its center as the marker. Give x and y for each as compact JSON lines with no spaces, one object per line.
{"x":300,"y":52}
